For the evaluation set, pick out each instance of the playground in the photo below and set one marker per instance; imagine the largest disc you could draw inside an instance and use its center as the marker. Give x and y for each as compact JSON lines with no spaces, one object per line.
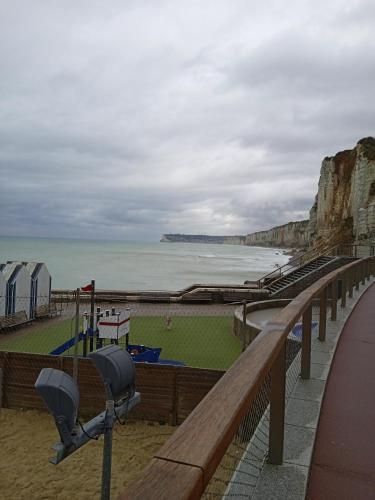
{"x":26,"y":448}
{"x":197,"y":340}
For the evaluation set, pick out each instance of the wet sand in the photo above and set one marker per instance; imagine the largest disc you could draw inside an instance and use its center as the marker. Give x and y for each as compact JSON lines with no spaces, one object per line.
{"x":26,"y":438}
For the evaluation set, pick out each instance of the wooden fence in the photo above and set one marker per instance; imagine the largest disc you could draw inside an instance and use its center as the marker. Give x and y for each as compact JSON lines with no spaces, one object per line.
{"x":168,"y":393}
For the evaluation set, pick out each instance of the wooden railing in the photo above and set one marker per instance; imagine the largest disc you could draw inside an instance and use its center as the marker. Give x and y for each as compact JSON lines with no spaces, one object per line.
{"x":183,"y":467}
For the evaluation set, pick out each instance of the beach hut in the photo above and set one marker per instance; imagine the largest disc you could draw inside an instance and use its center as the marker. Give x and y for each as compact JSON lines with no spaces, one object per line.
{"x":40,"y":292}
{"x":17,"y":288}
{"x":40,"y":285}
{"x":2,"y":291}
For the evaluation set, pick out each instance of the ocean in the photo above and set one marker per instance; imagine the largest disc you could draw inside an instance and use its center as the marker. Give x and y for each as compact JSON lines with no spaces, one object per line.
{"x":125,"y":265}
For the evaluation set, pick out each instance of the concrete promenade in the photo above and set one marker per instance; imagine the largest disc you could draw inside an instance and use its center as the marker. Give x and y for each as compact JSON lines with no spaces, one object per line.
{"x":343,"y":462}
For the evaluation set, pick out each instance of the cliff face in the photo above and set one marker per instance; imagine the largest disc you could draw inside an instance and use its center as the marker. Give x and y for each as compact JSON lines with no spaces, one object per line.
{"x":293,"y":234}
{"x":202,"y":238}
{"x":344,"y":208}
{"x":345,"y":204}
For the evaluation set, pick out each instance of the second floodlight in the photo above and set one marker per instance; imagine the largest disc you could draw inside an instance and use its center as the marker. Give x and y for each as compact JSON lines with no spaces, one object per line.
{"x":117,"y":370}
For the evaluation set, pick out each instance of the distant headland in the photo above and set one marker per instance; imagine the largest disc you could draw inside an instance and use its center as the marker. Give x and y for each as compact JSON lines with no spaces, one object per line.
{"x":203,"y":238}
{"x":291,"y":235}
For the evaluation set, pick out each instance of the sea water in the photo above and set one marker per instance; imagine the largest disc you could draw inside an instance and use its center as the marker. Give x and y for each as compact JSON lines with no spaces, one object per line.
{"x":125,"y":265}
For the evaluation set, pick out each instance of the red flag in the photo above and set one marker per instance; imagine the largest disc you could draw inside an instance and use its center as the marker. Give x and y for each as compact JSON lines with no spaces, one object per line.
{"x":87,"y":288}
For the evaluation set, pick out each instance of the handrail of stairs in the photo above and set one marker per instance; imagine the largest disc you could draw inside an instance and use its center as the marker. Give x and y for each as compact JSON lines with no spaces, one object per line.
{"x":303,"y":259}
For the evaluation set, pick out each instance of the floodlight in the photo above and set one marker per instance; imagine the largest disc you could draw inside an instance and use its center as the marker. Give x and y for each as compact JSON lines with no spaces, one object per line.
{"x":61,"y":396}
{"x":60,"y":393}
{"x":116,"y":368}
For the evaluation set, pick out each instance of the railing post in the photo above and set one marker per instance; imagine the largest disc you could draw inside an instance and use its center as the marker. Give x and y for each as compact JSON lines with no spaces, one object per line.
{"x":277,"y":409}
{"x":363,"y":273}
{"x":323,"y":315}
{"x":351,"y":283}
{"x":334,"y":301}
{"x":244,"y":326}
{"x":343,"y":291}
{"x":357,"y":278}
{"x":306,"y":343}
{"x":368,"y":270}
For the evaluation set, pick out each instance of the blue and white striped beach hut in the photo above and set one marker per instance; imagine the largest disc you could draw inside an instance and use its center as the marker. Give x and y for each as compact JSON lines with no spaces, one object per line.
{"x":17,"y":288}
{"x":40,"y":285}
{"x":40,"y":291}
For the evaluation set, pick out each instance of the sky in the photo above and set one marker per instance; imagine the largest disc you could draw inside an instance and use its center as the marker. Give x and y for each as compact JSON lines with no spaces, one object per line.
{"x":129,"y":119}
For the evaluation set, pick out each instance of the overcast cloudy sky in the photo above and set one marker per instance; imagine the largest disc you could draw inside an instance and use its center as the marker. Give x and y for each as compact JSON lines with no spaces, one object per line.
{"x":128,"y":119}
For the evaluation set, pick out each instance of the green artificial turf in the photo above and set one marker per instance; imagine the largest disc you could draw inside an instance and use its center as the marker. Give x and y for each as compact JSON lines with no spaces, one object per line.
{"x":199,"y":341}
{"x":42,"y":340}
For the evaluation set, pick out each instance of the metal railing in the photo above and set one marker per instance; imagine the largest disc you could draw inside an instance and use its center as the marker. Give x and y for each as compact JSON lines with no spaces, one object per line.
{"x":185,"y":465}
{"x":342,"y":249}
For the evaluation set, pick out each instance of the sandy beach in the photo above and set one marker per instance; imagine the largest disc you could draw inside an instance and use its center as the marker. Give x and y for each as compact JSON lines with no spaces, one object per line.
{"x":25,"y":448}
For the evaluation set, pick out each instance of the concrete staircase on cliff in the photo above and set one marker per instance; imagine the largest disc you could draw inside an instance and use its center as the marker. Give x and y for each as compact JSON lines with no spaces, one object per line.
{"x":297,"y":279}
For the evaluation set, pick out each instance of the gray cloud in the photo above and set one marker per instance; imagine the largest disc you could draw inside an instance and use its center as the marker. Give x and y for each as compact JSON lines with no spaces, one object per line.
{"x":131,"y":119}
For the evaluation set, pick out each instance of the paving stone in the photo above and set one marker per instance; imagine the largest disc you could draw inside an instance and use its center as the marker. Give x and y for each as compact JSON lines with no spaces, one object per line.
{"x":311,"y":390}
{"x":324,"y":358}
{"x":302,"y":413}
{"x":298,"y":445}
{"x":319,"y":371}
{"x":282,"y":482}
{"x":328,"y":345}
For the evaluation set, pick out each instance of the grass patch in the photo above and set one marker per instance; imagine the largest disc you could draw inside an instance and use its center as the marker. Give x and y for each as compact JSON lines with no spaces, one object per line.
{"x":42,"y":340}
{"x":199,"y":341}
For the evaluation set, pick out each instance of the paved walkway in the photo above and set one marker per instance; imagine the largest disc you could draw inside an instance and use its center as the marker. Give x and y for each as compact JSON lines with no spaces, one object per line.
{"x":343,"y":463}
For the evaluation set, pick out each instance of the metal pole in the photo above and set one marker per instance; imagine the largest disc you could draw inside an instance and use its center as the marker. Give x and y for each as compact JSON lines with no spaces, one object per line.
{"x":127,"y":335}
{"x":277,"y":409}
{"x":98,"y":340}
{"x":107,"y":451}
{"x":1,"y":387}
{"x":76,"y":339}
{"x":92,"y":312}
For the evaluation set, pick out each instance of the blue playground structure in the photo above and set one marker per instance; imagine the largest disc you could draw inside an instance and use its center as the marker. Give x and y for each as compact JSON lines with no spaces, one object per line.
{"x":138,"y":352}
{"x":297,"y":330}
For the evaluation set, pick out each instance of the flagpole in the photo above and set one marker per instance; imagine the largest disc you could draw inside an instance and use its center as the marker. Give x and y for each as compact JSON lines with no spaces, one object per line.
{"x":92,"y":312}
{"x":76,"y":339}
